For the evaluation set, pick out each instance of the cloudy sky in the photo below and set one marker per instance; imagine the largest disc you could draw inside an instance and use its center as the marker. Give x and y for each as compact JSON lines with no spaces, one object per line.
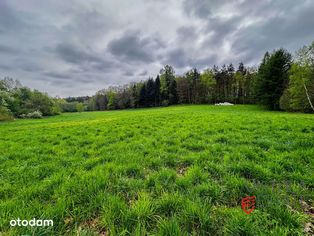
{"x":77,"y":47}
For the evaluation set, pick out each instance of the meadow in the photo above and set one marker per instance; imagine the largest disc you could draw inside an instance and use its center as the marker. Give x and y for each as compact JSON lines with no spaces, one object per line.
{"x":179,"y":170}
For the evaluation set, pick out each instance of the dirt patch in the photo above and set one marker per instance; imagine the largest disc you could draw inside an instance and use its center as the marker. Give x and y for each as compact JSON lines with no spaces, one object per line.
{"x":92,"y":226}
{"x":181,"y":171}
{"x":309,"y":210}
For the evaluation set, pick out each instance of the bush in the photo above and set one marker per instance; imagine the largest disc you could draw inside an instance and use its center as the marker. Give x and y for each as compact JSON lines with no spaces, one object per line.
{"x":56,"y":109}
{"x":34,"y":115}
{"x":79,"y":107}
{"x":5,"y":114}
{"x":68,"y":106}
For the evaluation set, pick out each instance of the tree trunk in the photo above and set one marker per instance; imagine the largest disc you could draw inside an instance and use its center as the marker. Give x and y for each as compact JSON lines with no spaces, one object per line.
{"x":307,"y":95}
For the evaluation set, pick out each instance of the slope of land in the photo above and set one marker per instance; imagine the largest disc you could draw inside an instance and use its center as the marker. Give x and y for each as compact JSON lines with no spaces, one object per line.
{"x":167,"y":171}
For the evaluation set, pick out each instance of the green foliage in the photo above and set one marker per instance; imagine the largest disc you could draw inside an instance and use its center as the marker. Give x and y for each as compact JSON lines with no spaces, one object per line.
{"x":34,"y":115}
{"x":179,"y":170}
{"x":41,"y":102}
{"x":80,"y":107}
{"x":112,"y":101}
{"x":21,"y":101}
{"x":217,"y":85}
{"x":272,"y":78}
{"x":299,"y":96}
{"x":168,"y":86}
{"x":285,"y":101}
{"x":193,"y":79}
{"x":208,"y":82}
{"x":5,"y":114}
{"x":67,"y":106}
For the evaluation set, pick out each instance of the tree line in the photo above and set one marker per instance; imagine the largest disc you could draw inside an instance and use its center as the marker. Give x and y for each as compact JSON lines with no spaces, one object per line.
{"x":194,"y":87}
{"x":281,"y":82}
{"x":22,"y":102}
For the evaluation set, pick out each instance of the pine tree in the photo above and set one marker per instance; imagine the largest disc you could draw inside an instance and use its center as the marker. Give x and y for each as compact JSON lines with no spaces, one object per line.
{"x":142,"y":98}
{"x":238,"y":85}
{"x":157,"y":91}
{"x":229,"y":82}
{"x":273,"y":78}
{"x":150,"y":92}
{"x":173,"y":94}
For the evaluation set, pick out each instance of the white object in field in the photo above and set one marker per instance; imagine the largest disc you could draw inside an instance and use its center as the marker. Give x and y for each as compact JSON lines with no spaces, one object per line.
{"x":224,"y":104}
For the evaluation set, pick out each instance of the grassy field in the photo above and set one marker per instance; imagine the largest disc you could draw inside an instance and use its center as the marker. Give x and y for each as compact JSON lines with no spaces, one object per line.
{"x":167,"y":171}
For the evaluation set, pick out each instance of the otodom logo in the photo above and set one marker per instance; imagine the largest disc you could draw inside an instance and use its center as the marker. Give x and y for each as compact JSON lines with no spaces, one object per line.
{"x":33,"y":223}
{"x":248,"y":204}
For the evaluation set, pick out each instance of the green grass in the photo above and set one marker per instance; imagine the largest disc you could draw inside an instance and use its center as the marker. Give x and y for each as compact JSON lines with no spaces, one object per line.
{"x":166,"y":171}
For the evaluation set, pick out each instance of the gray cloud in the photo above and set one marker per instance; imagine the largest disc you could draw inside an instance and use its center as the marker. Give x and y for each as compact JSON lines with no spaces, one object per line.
{"x":143,"y":73}
{"x":78,"y":47}
{"x":186,"y":32}
{"x":128,"y":73}
{"x":85,"y":58}
{"x":205,"y":62}
{"x":199,"y":8}
{"x":72,"y":54}
{"x":57,"y":75}
{"x":289,"y":28}
{"x":219,"y":29}
{"x":8,"y":50}
{"x":181,"y":59}
{"x":5,"y":67}
{"x":177,"y":58}
{"x":31,"y":67}
{"x":9,"y":19}
{"x":130,"y":47}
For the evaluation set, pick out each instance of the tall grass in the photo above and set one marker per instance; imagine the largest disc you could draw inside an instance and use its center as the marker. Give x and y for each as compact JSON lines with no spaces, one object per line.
{"x":164,"y":171}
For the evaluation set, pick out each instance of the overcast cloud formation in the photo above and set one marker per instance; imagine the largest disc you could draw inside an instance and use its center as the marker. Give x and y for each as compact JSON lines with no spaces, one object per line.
{"x":77,"y":47}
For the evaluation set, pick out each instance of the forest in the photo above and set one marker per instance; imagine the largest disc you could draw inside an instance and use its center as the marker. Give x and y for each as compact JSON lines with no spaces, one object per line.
{"x":282,"y":81}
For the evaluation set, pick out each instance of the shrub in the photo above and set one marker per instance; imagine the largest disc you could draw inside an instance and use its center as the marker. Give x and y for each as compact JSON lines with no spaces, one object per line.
{"x":56,"y":109}
{"x":79,"y":107}
{"x":5,"y":114}
{"x":34,"y":115}
{"x":68,"y":106}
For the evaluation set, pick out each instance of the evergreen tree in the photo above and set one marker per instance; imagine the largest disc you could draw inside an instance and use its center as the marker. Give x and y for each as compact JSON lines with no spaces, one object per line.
{"x":173,"y":94}
{"x":239,"y":84}
{"x":229,"y":83}
{"x":273,"y":78}
{"x":157,"y":91}
{"x":150,"y":92}
{"x":134,"y":101}
{"x":241,"y":68}
{"x":143,"y":94}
